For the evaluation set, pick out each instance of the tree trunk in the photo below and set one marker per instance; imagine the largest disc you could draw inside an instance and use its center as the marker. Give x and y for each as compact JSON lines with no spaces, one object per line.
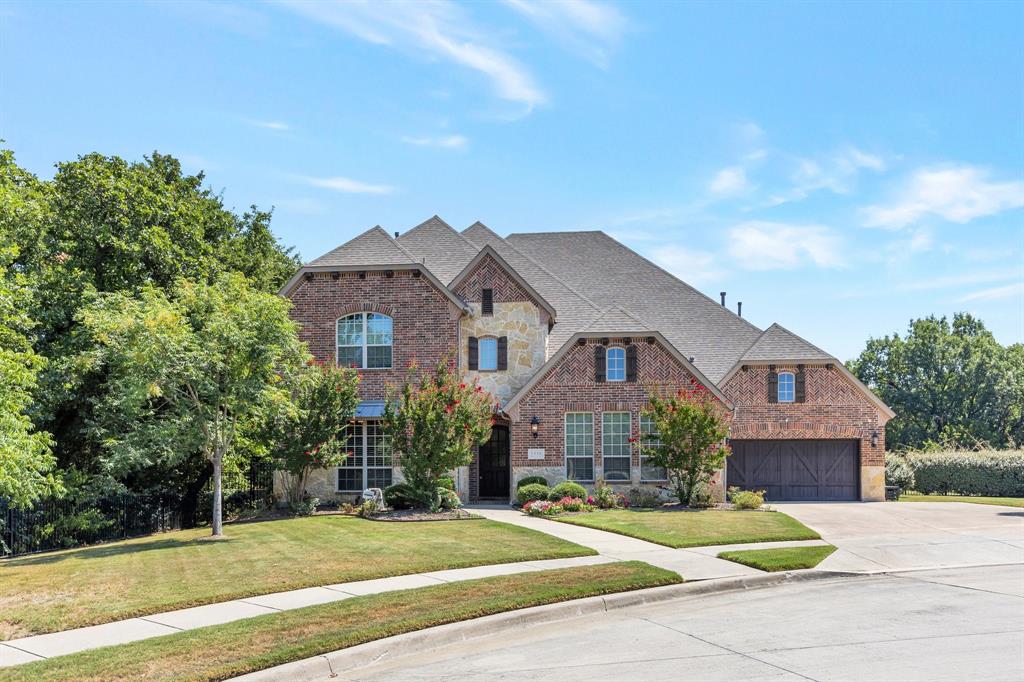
{"x":218,"y":462}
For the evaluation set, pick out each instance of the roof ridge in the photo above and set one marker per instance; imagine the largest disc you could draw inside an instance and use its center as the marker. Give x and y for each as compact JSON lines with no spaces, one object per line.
{"x":364,"y":233}
{"x":619,"y":309}
{"x":441,"y":220}
{"x":688,"y":286}
{"x":395,"y":242}
{"x":557,"y":232}
{"x":541,"y":267}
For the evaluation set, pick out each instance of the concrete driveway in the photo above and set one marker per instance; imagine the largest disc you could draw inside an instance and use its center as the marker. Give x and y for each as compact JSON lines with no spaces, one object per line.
{"x":886,"y":536}
{"x":953,"y":624}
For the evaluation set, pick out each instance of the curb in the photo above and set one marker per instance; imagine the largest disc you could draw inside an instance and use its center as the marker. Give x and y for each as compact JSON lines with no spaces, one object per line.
{"x":361,"y":655}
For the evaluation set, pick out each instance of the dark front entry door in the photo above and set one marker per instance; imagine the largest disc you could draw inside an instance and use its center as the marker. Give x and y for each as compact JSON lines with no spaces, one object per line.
{"x":796,"y":469}
{"x":494,"y":464}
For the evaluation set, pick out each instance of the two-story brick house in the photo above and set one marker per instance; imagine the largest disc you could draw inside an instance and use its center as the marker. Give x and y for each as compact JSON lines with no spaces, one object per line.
{"x":572,"y":332}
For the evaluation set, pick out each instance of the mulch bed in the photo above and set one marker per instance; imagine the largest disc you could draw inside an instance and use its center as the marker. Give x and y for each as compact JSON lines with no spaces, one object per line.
{"x":424,"y":515}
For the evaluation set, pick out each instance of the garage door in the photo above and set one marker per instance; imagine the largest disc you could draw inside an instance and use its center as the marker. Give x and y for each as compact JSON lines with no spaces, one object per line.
{"x":796,"y":469}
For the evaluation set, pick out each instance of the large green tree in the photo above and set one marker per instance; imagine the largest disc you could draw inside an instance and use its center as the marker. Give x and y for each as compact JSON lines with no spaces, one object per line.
{"x":948,"y":381}
{"x":107,"y":225}
{"x":183,"y":372}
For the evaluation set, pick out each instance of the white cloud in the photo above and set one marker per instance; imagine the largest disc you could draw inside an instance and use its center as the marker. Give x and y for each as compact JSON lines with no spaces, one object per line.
{"x":269,"y":125}
{"x":995,"y":293}
{"x":730,"y":181}
{"x":691,"y":266}
{"x":348,"y":185}
{"x":437,"y":28}
{"x":958,"y":194}
{"x":761,"y":245}
{"x":446,"y":141}
{"x":588,"y":29}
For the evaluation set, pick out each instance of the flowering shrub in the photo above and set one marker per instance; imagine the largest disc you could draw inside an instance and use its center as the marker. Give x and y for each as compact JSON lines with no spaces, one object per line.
{"x":573,"y":504}
{"x":606,"y":498}
{"x":541,"y":508}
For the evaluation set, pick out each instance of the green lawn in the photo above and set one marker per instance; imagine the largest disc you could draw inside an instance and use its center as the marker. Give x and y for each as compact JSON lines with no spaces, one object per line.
{"x":90,"y":585}
{"x":695,"y":528}
{"x":221,"y":651}
{"x":782,"y":558}
{"x":1001,"y":501}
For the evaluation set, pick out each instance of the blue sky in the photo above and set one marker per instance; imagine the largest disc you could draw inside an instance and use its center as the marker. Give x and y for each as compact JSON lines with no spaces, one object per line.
{"x":839,"y":168}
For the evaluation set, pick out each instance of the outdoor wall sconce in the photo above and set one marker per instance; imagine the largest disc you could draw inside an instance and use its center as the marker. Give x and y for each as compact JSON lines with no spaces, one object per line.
{"x":874,"y":438}
{"x":535,"y":426}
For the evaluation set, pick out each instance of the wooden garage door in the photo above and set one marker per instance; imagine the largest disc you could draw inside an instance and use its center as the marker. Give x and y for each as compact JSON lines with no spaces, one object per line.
{"x":796,"y":469}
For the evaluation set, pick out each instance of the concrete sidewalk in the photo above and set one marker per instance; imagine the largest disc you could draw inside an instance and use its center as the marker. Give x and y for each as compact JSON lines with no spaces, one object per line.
{"x":697,"y":563}
{"x":27,"y":649}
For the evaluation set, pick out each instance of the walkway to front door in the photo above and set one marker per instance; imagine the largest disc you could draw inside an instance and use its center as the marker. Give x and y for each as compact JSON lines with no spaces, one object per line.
{"x":494,"y":469}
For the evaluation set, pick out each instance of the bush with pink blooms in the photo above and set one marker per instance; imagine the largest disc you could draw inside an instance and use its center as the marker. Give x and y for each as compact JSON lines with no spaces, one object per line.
{"x":553,"y":508}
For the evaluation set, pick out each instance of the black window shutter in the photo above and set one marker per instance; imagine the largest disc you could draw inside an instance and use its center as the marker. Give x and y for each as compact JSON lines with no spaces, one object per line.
{"x":631,"y":363}
{"x":502,"y":352}
{"x":599,"y":367}
{"x":800,"y":385}
{"x":773,"y":386}
{"x":474,"y":353}
{"x":487,"y":302}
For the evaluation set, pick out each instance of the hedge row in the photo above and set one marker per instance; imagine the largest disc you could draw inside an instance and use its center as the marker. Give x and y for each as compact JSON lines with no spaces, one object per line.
{"x":989,"y":472}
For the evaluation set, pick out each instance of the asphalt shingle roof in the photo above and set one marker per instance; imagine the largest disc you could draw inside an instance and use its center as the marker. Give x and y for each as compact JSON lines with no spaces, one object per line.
{"x":373,"y":247}
{"x":617,"y":320}
{"x":443,"y":250}
{"x":778,"y":343}
{"x":604,"y":270}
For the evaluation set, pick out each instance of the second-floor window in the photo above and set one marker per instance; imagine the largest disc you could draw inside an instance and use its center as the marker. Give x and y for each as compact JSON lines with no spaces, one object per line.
{"x":787,"y":387}
{"x":488,"y":354}
{"x":615,"y":363}
{"x":364,"y":341}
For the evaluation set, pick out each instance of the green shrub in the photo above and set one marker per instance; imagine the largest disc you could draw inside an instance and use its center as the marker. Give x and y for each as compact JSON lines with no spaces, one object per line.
{"x":746,"y":499}
{"x":532,"y":492}
{"x":606,"y":498}
{"x":448,"y":499}
{"x":702,"y":497}
{"x":527,"y":480}
{"x":898,"y":471}
{"x":995,"y":473}
{"x":567,"y":489}
{"x":644,"y":498}
{"x":400,"y":496}
{"x":304,"y":508}
{"x":446,"y":482}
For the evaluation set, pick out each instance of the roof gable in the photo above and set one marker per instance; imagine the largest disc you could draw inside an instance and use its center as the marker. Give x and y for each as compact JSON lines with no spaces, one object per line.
{"x":778,"y":343}
{"x":373,"y":247}
{"x":489,"y":252}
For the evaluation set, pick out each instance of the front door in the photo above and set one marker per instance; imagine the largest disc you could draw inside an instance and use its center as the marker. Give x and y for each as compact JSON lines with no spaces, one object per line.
{"x":494,"y":464}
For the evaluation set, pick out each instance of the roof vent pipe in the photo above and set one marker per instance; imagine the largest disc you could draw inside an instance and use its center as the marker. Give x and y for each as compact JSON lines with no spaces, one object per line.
{"x":739,"y":308}
{"x":722,"y":294}
{"x":396,"y":235}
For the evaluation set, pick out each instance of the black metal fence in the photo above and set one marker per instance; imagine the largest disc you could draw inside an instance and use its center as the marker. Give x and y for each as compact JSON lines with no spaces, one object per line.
{"x":64,"y":523}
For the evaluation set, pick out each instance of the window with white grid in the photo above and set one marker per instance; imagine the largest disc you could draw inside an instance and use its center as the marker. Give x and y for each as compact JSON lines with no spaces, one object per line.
{"x":579,"y":446}
{"x":364,"y":341}
{"x":615,"y":446}
{"x":649,"y":439}
{"x":369,"y":463}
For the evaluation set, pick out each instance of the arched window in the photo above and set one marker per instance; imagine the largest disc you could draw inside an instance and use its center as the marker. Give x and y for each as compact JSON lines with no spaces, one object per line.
{"x":615,"y":364}
{"x":787,"y":387}
{"x":364,"y":341}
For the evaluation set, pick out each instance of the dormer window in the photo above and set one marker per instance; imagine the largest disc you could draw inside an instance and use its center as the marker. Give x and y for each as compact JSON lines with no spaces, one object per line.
{"x":615,"y":364}
{"x":787,"y":387}
{"x":487,"y":302}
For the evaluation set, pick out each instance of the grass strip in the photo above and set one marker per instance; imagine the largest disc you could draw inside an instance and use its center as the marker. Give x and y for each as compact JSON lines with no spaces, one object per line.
{"x":91,"y":585}
{"x":222,"y":651}
{"x":695,"y":528}
{"x":973,"y":499}
{"x":781,"y":558}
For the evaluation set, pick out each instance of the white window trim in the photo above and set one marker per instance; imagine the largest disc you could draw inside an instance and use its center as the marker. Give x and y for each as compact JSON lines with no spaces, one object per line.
{"x":644,"y":457}
{"x":778,"y":387}
{"x":480,"y":354}
{"x":364,"y":316}
{"x":565,"y":453}
{"x":364,"y":468}
{"x":629,"y":446}
{"x":607,"y":364}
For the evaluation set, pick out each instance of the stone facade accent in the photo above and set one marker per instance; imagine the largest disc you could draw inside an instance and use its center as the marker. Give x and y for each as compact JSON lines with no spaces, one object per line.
{"x":527,"y":336}
{"x":425,"y":329}
{"x":323,"y":484}
{"x":833,"y":408}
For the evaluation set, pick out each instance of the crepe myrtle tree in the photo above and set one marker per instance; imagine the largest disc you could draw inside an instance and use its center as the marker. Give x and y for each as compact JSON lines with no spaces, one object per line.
{"x":689,"y":430}
{"x":307,"y":431}
{"x":183,"y":371}
{"x":433,"y":424}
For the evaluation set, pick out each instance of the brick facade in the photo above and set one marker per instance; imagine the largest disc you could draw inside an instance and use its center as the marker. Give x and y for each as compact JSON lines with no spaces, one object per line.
{"x":425,"y":328}
{"x":569,"y":386}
